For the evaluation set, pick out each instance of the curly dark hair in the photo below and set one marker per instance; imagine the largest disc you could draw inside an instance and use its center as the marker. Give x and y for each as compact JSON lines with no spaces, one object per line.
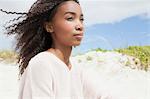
{"x":30,"y":33}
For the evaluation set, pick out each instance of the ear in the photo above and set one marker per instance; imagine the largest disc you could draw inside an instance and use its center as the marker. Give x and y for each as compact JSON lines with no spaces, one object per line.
{"x":49,"y":27}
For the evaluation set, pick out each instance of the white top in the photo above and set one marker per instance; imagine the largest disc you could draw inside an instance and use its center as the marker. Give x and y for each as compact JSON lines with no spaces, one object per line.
{"x":47,"y":77}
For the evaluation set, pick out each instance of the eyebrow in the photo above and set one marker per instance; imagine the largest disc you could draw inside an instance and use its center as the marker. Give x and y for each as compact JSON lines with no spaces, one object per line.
{"x":72,"y":13}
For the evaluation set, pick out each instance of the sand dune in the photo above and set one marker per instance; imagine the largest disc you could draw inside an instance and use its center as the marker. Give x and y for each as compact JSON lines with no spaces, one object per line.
{"x":113,"y":76}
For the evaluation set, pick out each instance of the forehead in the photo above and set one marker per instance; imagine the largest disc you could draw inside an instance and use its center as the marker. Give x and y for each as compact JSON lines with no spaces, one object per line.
{"x":69,"y":6}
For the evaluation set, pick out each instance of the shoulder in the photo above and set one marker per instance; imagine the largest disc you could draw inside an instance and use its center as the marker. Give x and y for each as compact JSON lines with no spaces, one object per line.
{"x":41,"y":60}
{"x":41,"y":57}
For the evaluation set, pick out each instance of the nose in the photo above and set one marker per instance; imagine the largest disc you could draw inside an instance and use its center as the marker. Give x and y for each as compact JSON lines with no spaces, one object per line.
{"x":79,"y":26}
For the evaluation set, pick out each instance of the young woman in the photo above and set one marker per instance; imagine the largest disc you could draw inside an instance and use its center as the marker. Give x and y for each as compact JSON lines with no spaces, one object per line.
{"x":45,"y":38}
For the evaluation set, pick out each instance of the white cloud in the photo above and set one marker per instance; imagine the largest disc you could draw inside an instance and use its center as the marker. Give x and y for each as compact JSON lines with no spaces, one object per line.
{"x":110,"y":11}
{"x":95,"y":11}
{"x":16,"y":5}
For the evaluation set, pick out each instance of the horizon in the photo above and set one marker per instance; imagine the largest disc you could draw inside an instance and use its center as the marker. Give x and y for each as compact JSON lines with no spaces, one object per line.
{"x":113,"y":27}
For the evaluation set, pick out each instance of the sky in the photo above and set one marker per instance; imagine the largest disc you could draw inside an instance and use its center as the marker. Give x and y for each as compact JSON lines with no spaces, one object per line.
{"x":109,"y":24}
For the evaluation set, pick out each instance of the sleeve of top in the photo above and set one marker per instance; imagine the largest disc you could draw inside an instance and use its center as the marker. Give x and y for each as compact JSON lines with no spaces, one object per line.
{"x":41,"y":81}
{"x":92,"y":88}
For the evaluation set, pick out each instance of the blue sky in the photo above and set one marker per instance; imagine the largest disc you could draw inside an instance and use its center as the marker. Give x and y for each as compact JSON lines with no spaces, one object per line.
{"x":109,"y":24}
{"x":131,"y":31}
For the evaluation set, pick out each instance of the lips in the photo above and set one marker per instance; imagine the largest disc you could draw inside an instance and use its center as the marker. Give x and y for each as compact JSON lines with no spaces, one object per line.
{"x":78,"y":36}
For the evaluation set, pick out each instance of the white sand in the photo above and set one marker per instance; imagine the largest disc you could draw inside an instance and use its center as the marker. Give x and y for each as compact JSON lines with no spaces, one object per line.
{"x":117,"y":79}
{"x":8,"y":81}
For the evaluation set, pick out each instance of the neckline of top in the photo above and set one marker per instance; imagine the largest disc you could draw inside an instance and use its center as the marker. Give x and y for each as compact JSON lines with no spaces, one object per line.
{"x":61,"y":61}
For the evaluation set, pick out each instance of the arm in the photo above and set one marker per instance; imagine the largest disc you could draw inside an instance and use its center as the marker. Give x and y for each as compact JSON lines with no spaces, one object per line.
{"x":40,"y":80}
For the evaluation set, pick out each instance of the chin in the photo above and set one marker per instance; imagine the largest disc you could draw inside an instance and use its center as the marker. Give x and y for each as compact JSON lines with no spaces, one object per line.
{"x":77,"y":44}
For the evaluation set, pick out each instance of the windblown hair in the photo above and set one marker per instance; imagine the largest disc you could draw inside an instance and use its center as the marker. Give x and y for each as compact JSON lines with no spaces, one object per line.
{"x":31,"y":35}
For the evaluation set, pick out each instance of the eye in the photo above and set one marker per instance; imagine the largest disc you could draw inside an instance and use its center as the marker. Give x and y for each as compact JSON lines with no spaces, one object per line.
{"x":69,"y":18}
{"x":82,"y":19}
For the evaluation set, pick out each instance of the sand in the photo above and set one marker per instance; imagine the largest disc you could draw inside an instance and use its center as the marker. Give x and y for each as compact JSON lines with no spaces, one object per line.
{"x":113,"y":76}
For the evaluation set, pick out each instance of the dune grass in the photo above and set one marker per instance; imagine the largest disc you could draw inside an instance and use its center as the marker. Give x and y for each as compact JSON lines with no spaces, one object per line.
{"x":140,"y":52}
{"x":8,"y":56}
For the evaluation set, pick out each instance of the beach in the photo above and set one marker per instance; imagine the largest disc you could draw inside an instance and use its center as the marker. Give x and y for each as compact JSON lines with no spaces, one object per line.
{"x":8,"y":81}
{"x":114,"y":78}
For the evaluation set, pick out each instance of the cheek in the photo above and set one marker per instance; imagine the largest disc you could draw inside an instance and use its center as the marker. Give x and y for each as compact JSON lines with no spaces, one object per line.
{"x":65,"y":29}
{"x":64,"y":32}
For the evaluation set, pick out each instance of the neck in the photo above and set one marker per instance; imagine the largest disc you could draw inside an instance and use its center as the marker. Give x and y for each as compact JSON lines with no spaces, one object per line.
{"x":62,"y":52}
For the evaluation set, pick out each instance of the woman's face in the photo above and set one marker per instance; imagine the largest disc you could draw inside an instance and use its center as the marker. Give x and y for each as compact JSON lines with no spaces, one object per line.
{"x":67,"y":24}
